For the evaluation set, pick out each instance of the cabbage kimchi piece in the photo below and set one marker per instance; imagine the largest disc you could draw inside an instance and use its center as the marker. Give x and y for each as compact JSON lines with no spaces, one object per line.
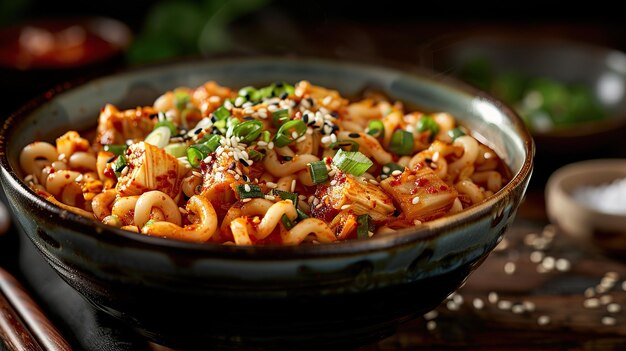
{"x":361,"y":196}
{"x":116,"y":127}
{"x":420,"y":193}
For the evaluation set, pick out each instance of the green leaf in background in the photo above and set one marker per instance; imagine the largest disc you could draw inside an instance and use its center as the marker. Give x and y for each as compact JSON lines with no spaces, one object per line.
{"x":186,"y":28}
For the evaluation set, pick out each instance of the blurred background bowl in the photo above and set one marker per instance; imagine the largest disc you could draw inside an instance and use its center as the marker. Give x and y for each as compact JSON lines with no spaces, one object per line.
{"x":571,"y":94}
{"x":312,"y":296}
{"x":581,"y":215}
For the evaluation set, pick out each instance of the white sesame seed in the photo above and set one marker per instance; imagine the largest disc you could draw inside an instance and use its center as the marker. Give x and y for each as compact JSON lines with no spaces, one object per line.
{"x":606,"y":299}
{"x":125,"y":171}
{"x":239,"y":101}
{"x":517,"y":309}
{"x":528,"y":306}
{"x":325,"y":140}
{"x":529,"y":239}
{"x":28,"y":178}
{"x":591,"y":303}
{"x":272,"y":108}
{"x":611,"y":275}
{"x":431,"y":315}
{"x":607,"y":320}
{"x":548,"y":262}
{"x":505,"y":305}
{"x":61,"y":157}
{"x":509,"y":268}
{"x":386,"y":169}
{"x":589,"y":292}
{"x":396,"y":173}
{"x":601,"y":289}
{"x":431,"y":325}
{"x":478,"y":304}
{"x":214,"y":99}
{"x":293,"y":185}
{"x":373,"y":181}
{"x":452,"y":306}
{"x":415,"y":200}
{"x":333,"y":182}
{"x":613,"y":308}
{"x":345,"y":207}
{"x":536,"y":256}
{"x":563,"y":265}
{"x":608,"y":282}
{"x":270,"y":145}
{"x":271,"y":185}
{"x":417,"y":222}
{"x":237,"y":176}
{"x":294,"y":135}
{"x":270,"y":197}
{"x":493,"y":297}
{"x":228,"y":105}
{"x":182,"y":210}
{"x":458,"y":299}
{"x":333,"y":138}
{"x":262,"y":113}
{"x":543,"y":320}
{"x":247,"y":199}
{"x":436,"y":156}
{"x":327,"y":100}
{"x":247,"y":104}
{"x":301,"y":139}
{"x":248,"y":111}
{"x":247,"y":188}
{"x":196,"y":174}
{"x":79,"y":178}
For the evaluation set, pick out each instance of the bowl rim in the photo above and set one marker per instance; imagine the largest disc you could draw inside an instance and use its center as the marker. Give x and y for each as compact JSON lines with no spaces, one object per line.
{"x":428,"y":230}
{"x":504,"y":39}
{"x":554,"y":186}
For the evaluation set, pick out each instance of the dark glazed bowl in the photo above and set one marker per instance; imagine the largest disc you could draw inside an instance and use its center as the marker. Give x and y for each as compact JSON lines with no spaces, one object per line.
{"x":341,"y":295}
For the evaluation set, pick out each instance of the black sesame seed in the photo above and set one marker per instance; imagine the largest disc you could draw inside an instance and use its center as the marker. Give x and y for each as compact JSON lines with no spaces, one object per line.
{"x":232,"y":166}
{"x":248,"y":118}
{"x":111,"y":159}
{"x":311,"y":101}
{"x":278,"y":84}
{"x":245,"y":178}
{"x":354,"y":135}
{"x":428,"y":160}
{"x":334,"y":114}
{"x":287,"y":158}
{"x":243,"y":162}
{"x":154,"y":115}
{"x":197,"y":131}
{"x":216,"y":131}
{"x":305,"y":118}
{"x":213,"y":118}
{"x":335,"y":128}
{"x":284,"y":95}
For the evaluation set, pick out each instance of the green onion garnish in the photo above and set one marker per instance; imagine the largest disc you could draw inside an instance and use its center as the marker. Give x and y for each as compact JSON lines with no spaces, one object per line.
{"x":286,"y":195}
{"x":181,"y":99}
{"x":354,"y":163}
{"x":427,"y":123}
{"x":176,"y":150}
{"x":119,"y":164}
{"x":212,"y":143}
{"x":285,"y":135}
{"x":389,"y":168}
{"x":168,"y":124}
{"x":340,"y":144}
{"x":255,"y":155}
{"x":287,"y":222}
{"x":248,"y":131}
{"x":266,"y":136}
{"x":280,"y":116}
{"x":116,"y":149}
{"x":249,"y":191}
{"x":455,"y":133}
{"x":159,"y":137}
{"x":194,"y":156}
{"x":318,"y":171}
{"x":221,"y":113}
{"x":376,"y":128}
{"x":247,"y":92}
{"x":301,"y":215}
{"x":364,"y":226}
{"x":401,"y":142}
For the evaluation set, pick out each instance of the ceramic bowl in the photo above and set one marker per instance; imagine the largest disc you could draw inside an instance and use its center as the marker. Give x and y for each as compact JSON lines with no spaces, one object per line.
{"x":599,"y":70}
{"x":583,"y":217}
{"x":199,"y":295}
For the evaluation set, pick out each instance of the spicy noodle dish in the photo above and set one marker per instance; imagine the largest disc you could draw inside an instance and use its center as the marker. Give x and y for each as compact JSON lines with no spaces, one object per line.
{"x":282,"y":164}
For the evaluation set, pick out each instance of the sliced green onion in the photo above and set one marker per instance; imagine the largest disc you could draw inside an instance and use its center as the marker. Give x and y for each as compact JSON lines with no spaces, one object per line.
{"x":159,"y":137}
{"x":255,"y":155}
{"x":266,"y":136}
{"x":287,"y":222}
{"x":168,"y":124}
{"x":176,"y":150}
{"x":376,"y":128}
{"x":364,"y":226}
{"x":221,"y":113}
{"x":248,"y":92}
{"x":389,"y":168}
{"x":249,"y":191}
{"x":284,"y":135}
{"x":263,"y":93}
{"x":119,"y":164}
{"x":280,"y":116}
{"x":354,"y":163}
{"x":181,"y":98}
{"x":194,"y":156}
{"x":301,"y":215}
{"x":427,"y":123}
{"x":455,"y":133}
{"x":116,"y":149}
{"x":286,"y":195}
{"x":319,"y":172}
{"x":340,"y":144}
{"x":401,"y":142}
{"x":212,"y":143}
{"x":248,"y":131}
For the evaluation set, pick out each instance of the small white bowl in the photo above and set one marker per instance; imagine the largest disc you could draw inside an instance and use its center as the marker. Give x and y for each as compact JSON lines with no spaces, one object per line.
{"x":582,"y":221}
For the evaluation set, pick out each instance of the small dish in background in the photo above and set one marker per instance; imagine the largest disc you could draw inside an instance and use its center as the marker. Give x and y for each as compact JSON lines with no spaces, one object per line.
{"x":587,"y":200}
{"x":571,"y":94}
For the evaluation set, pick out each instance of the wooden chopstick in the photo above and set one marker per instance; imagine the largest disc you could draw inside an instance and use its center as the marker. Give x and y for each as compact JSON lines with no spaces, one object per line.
{"x":13,"y":332}
{"x":45,"y":334}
